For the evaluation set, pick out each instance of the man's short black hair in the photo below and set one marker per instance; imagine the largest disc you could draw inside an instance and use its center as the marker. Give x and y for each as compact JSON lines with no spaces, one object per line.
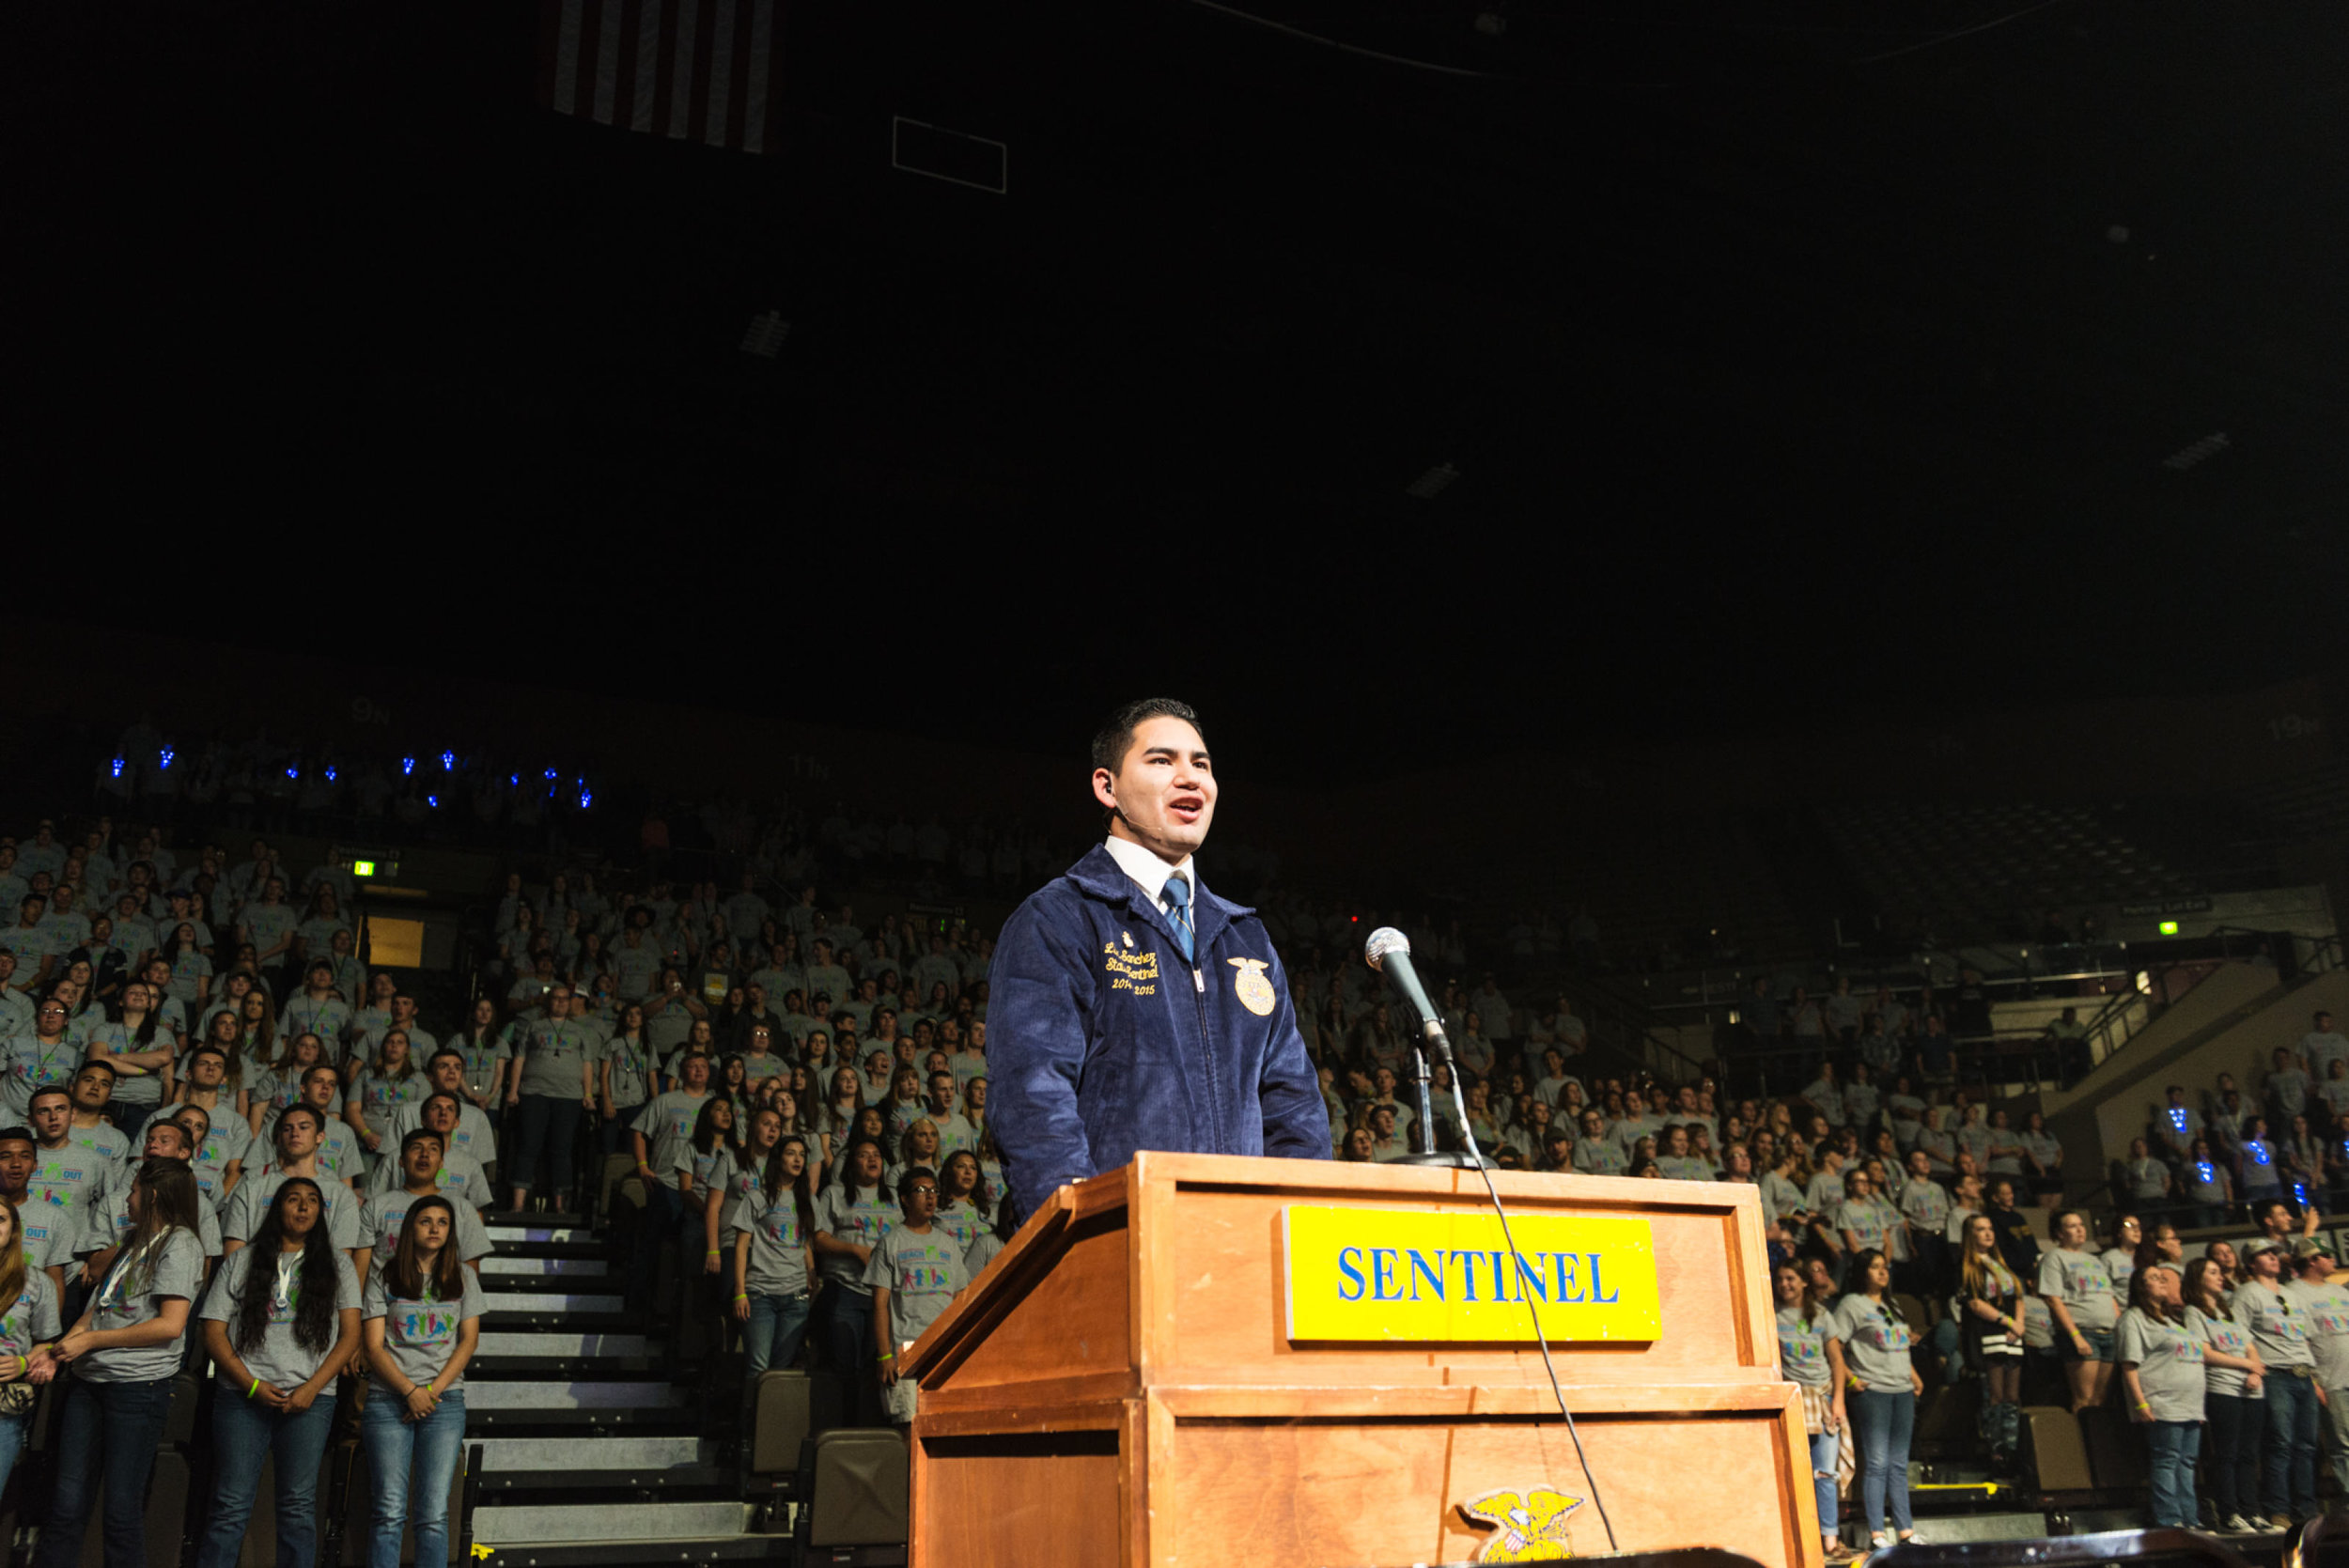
{"x":1116,"y":734}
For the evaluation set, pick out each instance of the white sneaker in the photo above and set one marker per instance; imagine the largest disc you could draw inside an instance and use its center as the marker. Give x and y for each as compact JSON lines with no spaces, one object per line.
{"x":1915,"y":1538}
{"x":1881,"y":1541}
{"x":2276,"y":1523}
{"x":2235,"y":1524}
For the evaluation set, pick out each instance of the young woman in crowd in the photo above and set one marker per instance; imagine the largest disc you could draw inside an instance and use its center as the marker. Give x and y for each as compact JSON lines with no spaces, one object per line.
{"x":385,"y":1084}
{"x":773,"y":1251}
{"x":1991,"y":1335}
{"x":2233,"y":1412}
{"x":1809,"y":1358}
{"x":423,"y":1314}
{"x":1882,"y":1387}
{"x":2159,"y":1349}
{"x":2206,"y":1186}
{"x":142,"y":1053}
{"x":2079,"y":1291}
{"x":851,"y":1218}
{"x":28,"y":1326}
{"x":2119,"y":1259}
{"x":280,"y":1325}
{"x":280,"y":1084}
{"x":123,"y":1354}
{"x":623,"y":1075}
{"x":488,"y":1058}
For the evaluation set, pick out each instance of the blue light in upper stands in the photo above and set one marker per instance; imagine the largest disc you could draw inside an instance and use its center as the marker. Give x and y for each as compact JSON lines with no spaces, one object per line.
{"x":166,"y":758}
{"x":448,"y":762}
{"x":407,"y":767}
{"x":118,"y":768}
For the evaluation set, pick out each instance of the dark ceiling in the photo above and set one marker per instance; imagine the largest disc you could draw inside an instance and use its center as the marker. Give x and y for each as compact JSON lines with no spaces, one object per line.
{"x":1787,"y":356}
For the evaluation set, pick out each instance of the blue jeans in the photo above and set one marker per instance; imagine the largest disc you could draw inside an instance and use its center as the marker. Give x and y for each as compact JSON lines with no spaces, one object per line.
{"x":14,"y":1430}
{"x":245,"y":1433}
{"x":411,"y":1459}
{"x":2288,"y":1476}
{"x":107,"y":1432}
{"x":847,"y":1346}
{"x":772,"y":1337}
{"x":2233,"y":1466}
{"x":548,"y":1123}
{"x":1827,"y":1447}
{"x":1883,"y":1423}
{"x":2172,"y":1447}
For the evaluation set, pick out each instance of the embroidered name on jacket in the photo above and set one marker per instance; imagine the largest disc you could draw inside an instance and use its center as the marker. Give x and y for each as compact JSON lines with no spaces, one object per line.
{"x":1137,"y":972}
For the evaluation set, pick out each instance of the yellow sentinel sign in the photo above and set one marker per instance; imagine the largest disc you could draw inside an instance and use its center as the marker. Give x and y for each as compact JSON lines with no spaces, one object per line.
{"x":1391,"y":1276}
{"x":363,"y":868}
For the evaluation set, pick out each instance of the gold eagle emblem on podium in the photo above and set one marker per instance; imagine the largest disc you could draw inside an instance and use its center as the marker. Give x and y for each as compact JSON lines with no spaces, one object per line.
{"x":1530,"y":1524}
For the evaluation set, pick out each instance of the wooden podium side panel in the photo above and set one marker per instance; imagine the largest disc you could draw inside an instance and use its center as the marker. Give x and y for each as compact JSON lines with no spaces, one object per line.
{"x":1020,"y":1500}
{"x":1075,"y":1322}
{"x":1259,"y":1495}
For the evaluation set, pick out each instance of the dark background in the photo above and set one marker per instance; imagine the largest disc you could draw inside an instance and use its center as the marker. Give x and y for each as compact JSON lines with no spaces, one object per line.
{"x":1791,"y":367}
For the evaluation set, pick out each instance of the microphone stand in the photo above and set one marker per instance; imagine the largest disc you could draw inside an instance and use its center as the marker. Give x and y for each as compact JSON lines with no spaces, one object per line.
{"x":1424,"y":1133}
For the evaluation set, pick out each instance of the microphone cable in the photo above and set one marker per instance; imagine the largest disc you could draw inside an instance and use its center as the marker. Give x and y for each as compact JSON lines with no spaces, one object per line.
{"x":1468,"y":1135}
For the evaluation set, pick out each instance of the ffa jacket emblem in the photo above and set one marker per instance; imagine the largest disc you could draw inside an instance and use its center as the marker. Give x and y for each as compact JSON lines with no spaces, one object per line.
{"x":1532,"y":1525}
{"x":1256,"y":991}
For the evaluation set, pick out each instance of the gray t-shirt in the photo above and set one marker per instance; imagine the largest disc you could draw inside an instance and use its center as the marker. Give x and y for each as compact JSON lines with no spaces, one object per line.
{"x":279,"y":1358}
{"x":2082,"y":1283}
{"x":1802,"y":1346}
{"x":421,"y":1334}
{"x":34,"y":1318}
{"x":2230,"y":1338}
{"x":2169,"y":1361}
{"x":632,"y":1061}
{"x":667,"y":1124}
{"x":2279,"y":1324}
{"x":552,"y":1054}
{"x":922,"y":1271}
{"x":174,"y":1270}
{"x":473,"y":1135}
{"x":1876,"y":1341}
{"x":249,"y":1205}
{"x":461,"y":1179}
{"x":2327,"y":1327}
{"x":865,"y":1221}
{"x":777,"y":1264}
{"x":381,"y":1215}
{"x":65,"y":1183}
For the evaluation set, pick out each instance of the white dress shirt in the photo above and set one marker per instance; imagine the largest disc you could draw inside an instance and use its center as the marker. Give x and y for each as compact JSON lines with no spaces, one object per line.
{"x":1151,"y":874}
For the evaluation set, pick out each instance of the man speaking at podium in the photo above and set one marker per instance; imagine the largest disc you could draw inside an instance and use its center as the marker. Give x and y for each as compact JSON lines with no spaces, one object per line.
{"x":1128,"y":1007}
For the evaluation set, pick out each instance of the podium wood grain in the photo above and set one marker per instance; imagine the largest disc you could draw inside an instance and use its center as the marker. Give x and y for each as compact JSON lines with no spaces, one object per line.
{"x":1117,"y":1389}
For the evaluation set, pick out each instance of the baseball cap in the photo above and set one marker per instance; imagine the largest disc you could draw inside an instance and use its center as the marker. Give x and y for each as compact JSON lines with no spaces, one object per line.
{"x":2257,"y":1245}
{"x":2310,"y":1246}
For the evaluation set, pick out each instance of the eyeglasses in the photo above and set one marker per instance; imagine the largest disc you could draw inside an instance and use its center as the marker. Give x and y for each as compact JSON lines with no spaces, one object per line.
{"x":923,"y":1192}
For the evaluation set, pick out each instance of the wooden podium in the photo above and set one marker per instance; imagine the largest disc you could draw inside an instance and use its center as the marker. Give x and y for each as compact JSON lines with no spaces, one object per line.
{"x":1123,"y":1384}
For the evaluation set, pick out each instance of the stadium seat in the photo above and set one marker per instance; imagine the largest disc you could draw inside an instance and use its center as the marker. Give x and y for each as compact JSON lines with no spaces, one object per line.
{"x":860,"y":1491}
{"x":782,"y":1415}
{"x":2054,"y":1450}
{"x":2116,"y":1453}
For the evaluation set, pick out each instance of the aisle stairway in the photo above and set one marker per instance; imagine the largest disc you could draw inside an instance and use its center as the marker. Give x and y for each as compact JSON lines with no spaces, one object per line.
{"x":585,"y":1449}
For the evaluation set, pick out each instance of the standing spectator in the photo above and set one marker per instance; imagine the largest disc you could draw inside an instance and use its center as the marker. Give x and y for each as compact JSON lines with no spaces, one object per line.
{"x":2160,"y":1350}
{"x":1843,"y":1013}
{"x":1805,"y":1360}
{"x":2287,"y":1087}
{"x":1991,"y":1335}
{"x":2280,"y":1328}
{"x":2233,"y":1411}
{"x":423,"y":1314}
{"x":2323,"y":1045}
{"x":29,"y":1324}
{"x":2147,"y":1179}
{"x":1760,"y":1016}
{"x":774,"y":1229}
{"x":1874,"y":1340}
{"x":2328,"y":1306}
{"x":551,"y":1090}
{"x":123,"y":1353}
{"x":2078,"y":1289}
{"x":2205,"y":1185}
{"x":280,"y":1325}
{"x":851,"y":1219}
{"x":914,"y":1275}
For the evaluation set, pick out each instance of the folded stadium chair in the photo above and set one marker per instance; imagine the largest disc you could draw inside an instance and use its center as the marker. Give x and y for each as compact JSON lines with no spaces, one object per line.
{"x":781,"y":1418}
{"x":2054,"y":1450}
{"x":860,"y":1489}
{"x":2116,"y":1453}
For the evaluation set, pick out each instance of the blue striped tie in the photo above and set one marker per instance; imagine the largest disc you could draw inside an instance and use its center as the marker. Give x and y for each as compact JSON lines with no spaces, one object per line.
{"x":1179,"y":911}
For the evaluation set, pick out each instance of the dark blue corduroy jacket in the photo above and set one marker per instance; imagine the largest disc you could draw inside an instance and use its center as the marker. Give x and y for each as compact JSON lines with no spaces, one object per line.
{"x":1101,"y":1041}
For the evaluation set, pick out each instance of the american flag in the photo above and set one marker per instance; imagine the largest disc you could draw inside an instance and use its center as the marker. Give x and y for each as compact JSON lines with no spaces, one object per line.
{"x":705,"y":70}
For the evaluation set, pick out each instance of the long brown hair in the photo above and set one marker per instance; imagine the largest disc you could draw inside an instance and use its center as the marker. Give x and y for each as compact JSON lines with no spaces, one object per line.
{"x":2142,"y":1298}
{"x":407,"y":1275}
{"x":1975,"y":1270}
{"x":2212,"y":1303}
{"x":169,"y":1206}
